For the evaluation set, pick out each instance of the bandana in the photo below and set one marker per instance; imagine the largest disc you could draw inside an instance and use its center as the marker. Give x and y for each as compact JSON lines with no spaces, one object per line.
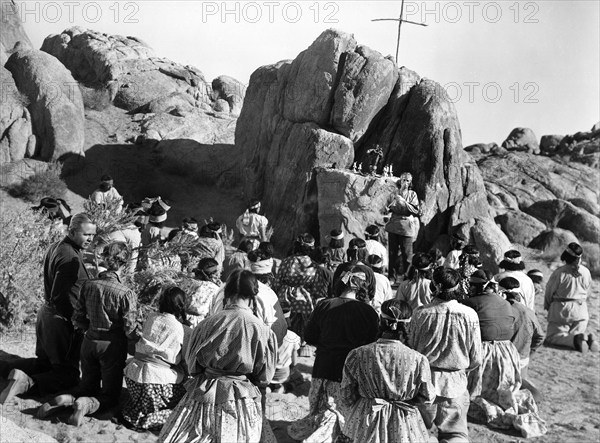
{"x":262,"y":266}
{"x":536,"y":273}
{"x":394,"y":319}
{"x":158,"y":218}
{"x":347,"y":276}
{"x":426,"y":268}
{"x":254,"y":206}
{"x":162,"y":204}
{"x":572,"y":253}
{"x":515,"y":260}
{"x":338,"y":237}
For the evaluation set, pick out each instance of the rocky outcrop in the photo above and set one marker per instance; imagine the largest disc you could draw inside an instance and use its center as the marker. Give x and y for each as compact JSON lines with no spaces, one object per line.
{"x":16,"y":138}
{"x":549,"y":143}
{"x":522,"y":139}
{"x":231,"y":91}
{"x":554,"y":240}
{"x":527,"y":178}
{"x":11,"y":31}
{"x":326,"y":109}
{"x":520,"y":227}
{"x":582,"y":147}
{"x":55,"y":103}
{"x":137,"y":79}
{"x":564,"y":215}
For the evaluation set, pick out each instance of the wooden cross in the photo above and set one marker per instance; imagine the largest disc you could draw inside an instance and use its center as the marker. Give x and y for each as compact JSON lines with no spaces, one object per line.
{"x":400,"y":21}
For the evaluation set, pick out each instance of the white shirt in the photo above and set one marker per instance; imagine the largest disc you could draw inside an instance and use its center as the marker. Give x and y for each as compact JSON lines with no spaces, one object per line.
{"x":383,"y":291}
{"x":256,"y":226}
{"x":376,"y":248}
{"x":112,"y":194}
{"x":265,"y":303}
{"x":527,"y":289}
{"x":452,"y":259}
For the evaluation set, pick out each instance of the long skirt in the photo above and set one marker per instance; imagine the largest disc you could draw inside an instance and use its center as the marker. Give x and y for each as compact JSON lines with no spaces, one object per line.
{"x":376,"y":420}
{"x":498,"y":400}
{"x":325,"y":419}
{"x":218,"y":410}
{"x":150,"y":404}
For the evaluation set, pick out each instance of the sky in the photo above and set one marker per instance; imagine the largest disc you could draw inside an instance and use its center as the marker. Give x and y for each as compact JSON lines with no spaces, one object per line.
{"x":504,"y":64}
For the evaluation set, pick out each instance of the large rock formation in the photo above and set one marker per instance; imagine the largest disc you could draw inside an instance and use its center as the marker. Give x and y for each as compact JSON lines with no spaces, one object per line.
{"x":134,"y":76}
{"x":11,"y":31}
{"x":16,"y":138}
{"x":55,"y":103}
{"x":522,"y":139}
{"x":326,"y":109}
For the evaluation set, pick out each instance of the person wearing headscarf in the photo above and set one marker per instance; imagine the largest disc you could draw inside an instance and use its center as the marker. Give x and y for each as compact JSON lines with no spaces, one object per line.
{"x":383,"y":287}
{"x":231,"y":356}
{"x":496,"y":384}
{"x":512,"y":266}
{"x":338,"y":251}
{"x":468,"y":263}
{"x":210,"y":244}
{"x":205,"y":286}
{"x":447,"y":333}
{"x":374,"y":245}
{"x":156,"y":374}
{"x":107,"y":195}
{"x":299,"y":284}
{"x":566,"y":302}
{"x":384,"y":382}
{"x":456,"y":246}
{"x":337,"y":326}
{"x":537,"y":277}
{"x":239,"y":259}
{"x":403,"y":226}
{"x":416,"y":290}
{"x":357,"y":255}
{"x":251,"y":224}
{"x":528,"y":335}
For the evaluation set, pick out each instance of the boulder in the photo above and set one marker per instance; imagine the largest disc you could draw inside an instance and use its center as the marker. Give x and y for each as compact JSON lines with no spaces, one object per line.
{"x":596,"y":127}
{"x":589,"y":206}
{"x":366,"y":80}
{"x":232,"y":91}
{"x":549,"y":143}
{"x":55,"y":103}
{"x":125,"y":64}
{"x":15,"y":122}
{"x":522,"y":139}
{"x":481,"y":148}
{"x":582,"y":147}
{"x":553,"y":240}
{"x":351,"y":201}
{"x":528,"y":178}
{"x":285,"y":131}
{"x":490,"y":241}
{"x":520,"y":227}
{"x":11,"y":31}
{"x":564,"y":215}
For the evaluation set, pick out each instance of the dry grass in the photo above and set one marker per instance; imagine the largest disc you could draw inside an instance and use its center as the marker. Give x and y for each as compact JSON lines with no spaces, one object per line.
{"x":25,"y":238}
{"x":42,"y":184}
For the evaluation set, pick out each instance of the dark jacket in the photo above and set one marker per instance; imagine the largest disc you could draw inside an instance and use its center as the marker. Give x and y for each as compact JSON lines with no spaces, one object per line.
{"x":337,"y":326}
{"x":496,"y":316}
{"x":528,"y":334}
{"x":64,"y":273}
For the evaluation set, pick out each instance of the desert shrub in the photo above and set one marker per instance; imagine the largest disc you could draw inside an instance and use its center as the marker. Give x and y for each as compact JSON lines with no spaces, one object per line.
{"x":25,"y":238}
{"x":47,"y":183}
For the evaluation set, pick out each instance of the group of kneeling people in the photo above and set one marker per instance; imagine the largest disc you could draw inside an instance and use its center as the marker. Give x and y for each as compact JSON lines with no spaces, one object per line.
{"x":379,"y":375}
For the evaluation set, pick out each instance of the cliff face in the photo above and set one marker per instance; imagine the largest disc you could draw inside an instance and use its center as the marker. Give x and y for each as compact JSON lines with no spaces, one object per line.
{"x":323,"y":111}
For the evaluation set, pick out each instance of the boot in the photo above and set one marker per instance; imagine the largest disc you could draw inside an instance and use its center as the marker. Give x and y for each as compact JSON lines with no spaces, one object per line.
{"x":580,"y":343}
{"x":592,"y":344}
{"x":18,"y":383}
{"x":83,"y":406}
{"x":57,"y":402}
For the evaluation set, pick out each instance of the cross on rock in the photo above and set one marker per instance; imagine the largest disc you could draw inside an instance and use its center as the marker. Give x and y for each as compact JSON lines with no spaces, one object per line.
{"x":400,"y":21}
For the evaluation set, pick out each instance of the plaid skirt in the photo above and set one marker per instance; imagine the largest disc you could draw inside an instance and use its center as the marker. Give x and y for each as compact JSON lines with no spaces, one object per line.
{"x":149,"y":404}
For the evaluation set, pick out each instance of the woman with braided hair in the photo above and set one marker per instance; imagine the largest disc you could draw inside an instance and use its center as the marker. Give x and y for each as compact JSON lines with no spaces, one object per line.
{"x":384,"y":381}
{"x":337,"y":326}
{"x":231,"y":354}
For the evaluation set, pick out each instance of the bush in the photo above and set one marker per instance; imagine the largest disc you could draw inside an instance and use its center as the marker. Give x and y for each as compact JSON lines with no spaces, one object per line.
{"x":42,"y":184}
{"x":96,"y":99}
{"x":25,"y":237}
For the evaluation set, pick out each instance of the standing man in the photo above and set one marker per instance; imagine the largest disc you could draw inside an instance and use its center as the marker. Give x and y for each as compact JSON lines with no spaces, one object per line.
{"x":107,"y":194}
{"x":448,"y":334}
{"x":403,"y":226}
{"x":56,"y":366}
{"x":251,"y":224}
